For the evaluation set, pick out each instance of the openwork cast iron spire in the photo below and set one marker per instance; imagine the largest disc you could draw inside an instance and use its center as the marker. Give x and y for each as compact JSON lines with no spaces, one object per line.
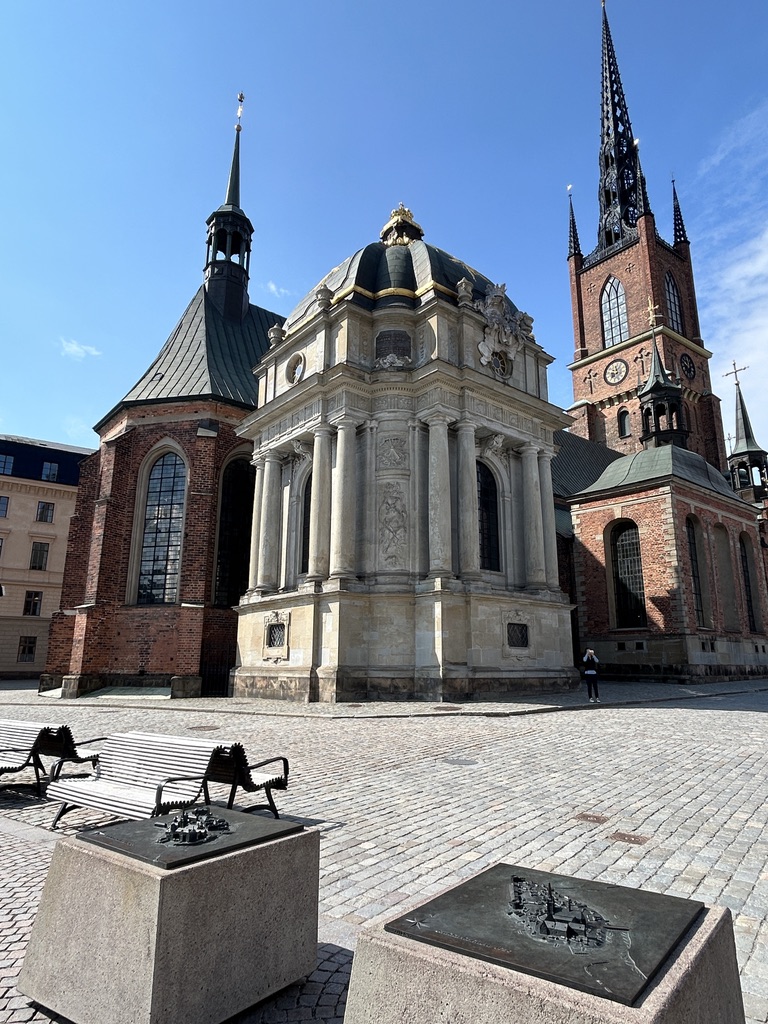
{"x":619,"y":175}
{"x":574,"y":248}
{"x":680,"y":235}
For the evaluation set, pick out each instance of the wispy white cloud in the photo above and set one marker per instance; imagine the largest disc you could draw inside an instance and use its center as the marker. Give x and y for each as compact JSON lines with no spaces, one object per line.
{"x":74,"y":350}
{"x":79,"y":432}
{"x":274,"y":289}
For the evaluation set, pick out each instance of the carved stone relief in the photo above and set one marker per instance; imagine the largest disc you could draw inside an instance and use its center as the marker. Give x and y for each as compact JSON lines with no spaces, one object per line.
{"x":506,"y":330}
{"x":393,"y":523}
{"x":392,"y":453}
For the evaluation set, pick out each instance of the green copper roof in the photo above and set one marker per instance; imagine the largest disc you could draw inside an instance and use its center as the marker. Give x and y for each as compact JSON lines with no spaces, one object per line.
{"x":207,"y":356}
{"x":657,"y":466}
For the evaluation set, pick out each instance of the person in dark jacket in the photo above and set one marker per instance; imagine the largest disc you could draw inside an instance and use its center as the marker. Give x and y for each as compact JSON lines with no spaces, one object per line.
{"x":591,"y":661}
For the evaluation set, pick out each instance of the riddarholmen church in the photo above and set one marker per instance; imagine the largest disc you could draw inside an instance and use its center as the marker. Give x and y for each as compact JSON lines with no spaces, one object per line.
{"x":374,"y":498}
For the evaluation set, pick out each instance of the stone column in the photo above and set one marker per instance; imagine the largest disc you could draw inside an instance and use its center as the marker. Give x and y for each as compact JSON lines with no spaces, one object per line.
{"x":535,"y":572}
{"x":320,"y":506}
{"x":253,"y":565}
{"x":368,"y":553}
{"x":269,"y":523}
{"x":548,"y":520}
{"x":344,"y":501}
{"x":468,"y":525}
{"x":439,"y":512}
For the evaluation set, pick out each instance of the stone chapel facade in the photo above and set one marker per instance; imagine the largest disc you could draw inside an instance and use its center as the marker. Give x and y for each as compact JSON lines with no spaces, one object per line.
{"x":404,"y":537}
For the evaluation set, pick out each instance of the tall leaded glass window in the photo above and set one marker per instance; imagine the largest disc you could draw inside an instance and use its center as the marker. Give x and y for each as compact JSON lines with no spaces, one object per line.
{"x":488,"y":518}
{"x":305,"y":518}
{"x":613,"y":307}
{"x":698,"y":603}
{"x":234,"y":546}
{"x":163,"y":523}
{"x":674,"y":303}
{"x":628,"y":586}
{"x":747,"y":585}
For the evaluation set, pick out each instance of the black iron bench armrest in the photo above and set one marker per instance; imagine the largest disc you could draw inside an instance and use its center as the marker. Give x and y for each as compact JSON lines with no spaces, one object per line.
{"x":271,"y":760}
{"x":175,"y":778}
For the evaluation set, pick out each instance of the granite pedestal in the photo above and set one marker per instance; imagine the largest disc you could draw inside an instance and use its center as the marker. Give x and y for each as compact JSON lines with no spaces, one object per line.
{"x":439,"y":964}
{"x":116,"y":939}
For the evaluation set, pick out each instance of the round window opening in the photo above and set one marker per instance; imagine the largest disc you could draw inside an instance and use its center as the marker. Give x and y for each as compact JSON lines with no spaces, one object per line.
{"x":294,"y":371}
{"x":500,"y":364}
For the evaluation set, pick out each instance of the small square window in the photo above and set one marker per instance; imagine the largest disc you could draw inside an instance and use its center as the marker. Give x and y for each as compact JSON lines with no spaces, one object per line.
{"x":3,"y":507}
{"x":276,"y":634}
{"x":6,"y":465}
{"x":50,"y":470}
{"x":27,"y":645}
{"x":703,"y":645}
{"x":44,"y":512}
{"x":33,"y":602}
{"x":39,"y":557}
{"x":639,"y":645}
{"x":517,"y":634}
{"x":620,"y":645}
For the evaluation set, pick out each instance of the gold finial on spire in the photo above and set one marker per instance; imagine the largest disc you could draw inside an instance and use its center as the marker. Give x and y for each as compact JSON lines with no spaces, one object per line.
{"x":240,"y":101}
{"x":653,"y":316}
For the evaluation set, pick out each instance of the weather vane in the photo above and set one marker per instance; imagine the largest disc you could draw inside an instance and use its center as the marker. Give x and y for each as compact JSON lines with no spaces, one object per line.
{"x":240,"y":101}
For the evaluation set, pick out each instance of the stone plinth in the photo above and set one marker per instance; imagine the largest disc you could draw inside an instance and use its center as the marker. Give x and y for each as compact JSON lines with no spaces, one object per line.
{"x":123,"y":941}
{"x":397,"y":980}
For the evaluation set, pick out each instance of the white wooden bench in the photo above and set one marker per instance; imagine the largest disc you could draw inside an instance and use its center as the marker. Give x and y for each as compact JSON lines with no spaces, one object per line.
{"x":139,"y":775}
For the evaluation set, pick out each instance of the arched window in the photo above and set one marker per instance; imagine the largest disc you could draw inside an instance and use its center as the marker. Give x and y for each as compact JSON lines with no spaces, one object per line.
{"x":234,"y":541}
{"x":488,"y":518}
{"x":725,"y":584}
{"x":748,"y":575}
{"x":693,"y":554}
{"x":674,"y":303}
{"x":628,"y":588}
{"x":305,"y":515}
{"x":622,"y":421}
{"x":161,"y":538}
{"x":613,"y":306}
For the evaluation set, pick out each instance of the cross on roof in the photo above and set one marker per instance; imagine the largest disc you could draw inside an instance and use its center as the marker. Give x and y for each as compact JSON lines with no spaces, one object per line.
{"x":735,"y":371}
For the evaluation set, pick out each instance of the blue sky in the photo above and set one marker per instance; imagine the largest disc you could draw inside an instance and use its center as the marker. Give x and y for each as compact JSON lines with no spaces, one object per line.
{"x":117,"y":126}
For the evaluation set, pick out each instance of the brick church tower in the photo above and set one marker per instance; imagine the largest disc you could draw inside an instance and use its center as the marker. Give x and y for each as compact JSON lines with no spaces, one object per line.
{"x":158,"y":549}
{"x":632,"y":292}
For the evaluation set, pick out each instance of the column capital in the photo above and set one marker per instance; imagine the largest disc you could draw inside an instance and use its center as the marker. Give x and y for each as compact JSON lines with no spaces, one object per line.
{"x":529,"y":448}
{"x":438,"y":419}
{"x":465,"y":425}
{"x":322,"y":429}
{"x":345,"y":421}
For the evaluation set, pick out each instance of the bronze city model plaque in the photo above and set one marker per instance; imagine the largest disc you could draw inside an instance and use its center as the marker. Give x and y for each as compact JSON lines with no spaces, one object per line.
{"x":608,"y":940}
{"x":174,"y":840}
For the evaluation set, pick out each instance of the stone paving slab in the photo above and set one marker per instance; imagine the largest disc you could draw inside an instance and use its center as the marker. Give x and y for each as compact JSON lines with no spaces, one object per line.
{"x":665,"y":791}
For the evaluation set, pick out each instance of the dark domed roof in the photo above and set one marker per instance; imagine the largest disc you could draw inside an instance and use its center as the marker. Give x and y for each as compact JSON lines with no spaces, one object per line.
{"x":397,"y":271}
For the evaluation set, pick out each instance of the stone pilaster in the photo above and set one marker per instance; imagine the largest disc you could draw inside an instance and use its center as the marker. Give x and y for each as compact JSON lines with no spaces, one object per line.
{"x":269,"y":533}
{"x":439,"y":512}
{"x":344,"y":502}
{"x":548,"y":520}
{"x":258,"y":485}
{"x":320,"y":506}
{"x":468,"y":525}
{"x":535,"y":571}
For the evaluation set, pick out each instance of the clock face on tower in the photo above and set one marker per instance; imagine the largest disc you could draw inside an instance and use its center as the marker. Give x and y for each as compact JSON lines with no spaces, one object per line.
{"x":687,"y":366}
{"x":615,"y":371}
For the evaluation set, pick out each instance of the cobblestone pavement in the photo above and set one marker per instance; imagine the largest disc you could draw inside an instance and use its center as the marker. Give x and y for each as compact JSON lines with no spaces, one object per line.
{"x":660,"y":786}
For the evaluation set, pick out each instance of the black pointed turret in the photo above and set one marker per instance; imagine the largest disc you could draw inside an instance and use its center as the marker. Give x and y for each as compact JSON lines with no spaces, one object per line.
{"x":747,"y":461}
{"x":574,"y":248}
{"x":661,"y":407}
{"x":618,"y":196}
{"x":229,"y":248}
{"x":680,"y":235}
